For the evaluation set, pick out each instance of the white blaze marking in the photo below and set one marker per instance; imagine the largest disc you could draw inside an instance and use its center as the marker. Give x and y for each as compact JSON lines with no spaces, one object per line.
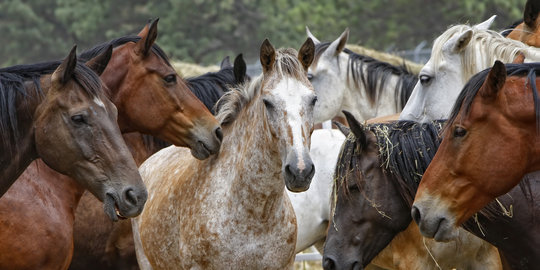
{"x":99,"y":102}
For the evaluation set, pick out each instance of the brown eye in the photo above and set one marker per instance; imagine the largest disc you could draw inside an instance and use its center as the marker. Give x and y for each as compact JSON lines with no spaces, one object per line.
{"x":79,"y":119}
{"x":170,"y":79}
{"x":459,"y":132}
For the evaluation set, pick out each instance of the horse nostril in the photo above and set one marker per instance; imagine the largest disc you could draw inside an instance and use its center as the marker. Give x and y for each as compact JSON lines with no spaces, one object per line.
{"x":130,"y":196}
{"x":415,"y":213}
{"x":311,"y":171}
{"x":219,"y":134}
{"x":329,"y":264}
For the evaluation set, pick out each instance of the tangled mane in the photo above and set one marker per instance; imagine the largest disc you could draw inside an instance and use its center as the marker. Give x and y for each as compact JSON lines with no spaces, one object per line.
{"x":231,"y":103}
{"x":405,"y":149}
{"x":373,"y":75}
{"x":498,"y":48}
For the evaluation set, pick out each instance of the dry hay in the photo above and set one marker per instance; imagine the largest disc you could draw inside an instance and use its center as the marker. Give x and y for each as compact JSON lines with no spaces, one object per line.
{"x":386,"y":57}
{"x":188,"y":70}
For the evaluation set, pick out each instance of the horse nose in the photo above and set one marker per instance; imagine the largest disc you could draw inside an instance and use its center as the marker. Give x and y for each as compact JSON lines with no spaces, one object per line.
{"x":219,"y":134}
{"x":298,"y":177}
{"x":416,"y":215}
{"x":130,"y":197}
{"x":328,"y":263}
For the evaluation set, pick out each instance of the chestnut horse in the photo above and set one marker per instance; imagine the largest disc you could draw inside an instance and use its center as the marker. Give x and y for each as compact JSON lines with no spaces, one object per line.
{"x":134,"y":57}
{"x":490,"y":143}
{"x":103,"y":244}
{"x":376,"y":179}
{"x":232,"y":210}
{"x":58,"y":111}
{"x":528,"y":31}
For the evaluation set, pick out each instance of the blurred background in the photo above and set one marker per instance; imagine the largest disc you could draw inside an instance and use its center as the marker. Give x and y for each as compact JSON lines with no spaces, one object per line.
{"x":205,"y":31}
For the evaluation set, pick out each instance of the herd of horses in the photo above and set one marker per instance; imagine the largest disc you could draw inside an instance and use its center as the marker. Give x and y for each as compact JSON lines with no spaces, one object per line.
{"x":225,"y":171}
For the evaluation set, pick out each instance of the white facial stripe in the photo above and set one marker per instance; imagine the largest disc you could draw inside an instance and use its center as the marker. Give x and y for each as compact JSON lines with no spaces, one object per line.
{"x":99,"y":102}
{"x":292,"y":92}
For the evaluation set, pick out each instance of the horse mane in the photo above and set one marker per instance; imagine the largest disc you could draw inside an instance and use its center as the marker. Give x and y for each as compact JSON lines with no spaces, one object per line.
{"x":230,"y":105}
{"x":375,"y":75}
{"x":154,"y":144}
{"x":98,"y":49}
{"x":211,"y":86}
{"x":498,"y":48}
{"x":466,"y":96}
{"x":12,"y":89}
{"x":507,"y":30}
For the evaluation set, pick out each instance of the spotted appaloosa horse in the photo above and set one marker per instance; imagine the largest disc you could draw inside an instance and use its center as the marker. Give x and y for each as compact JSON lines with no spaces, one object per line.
{"x":490,"y":143}
{"x":232,"y":210}
{"x":528,"y":31}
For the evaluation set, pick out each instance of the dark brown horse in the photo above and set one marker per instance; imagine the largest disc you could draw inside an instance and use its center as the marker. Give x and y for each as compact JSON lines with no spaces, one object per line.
{"x":377,"y":174}
{"x":151,"y":98}
{"x":528,"y":31}
{"x":102,"y":244}
{"x":58,"y":111}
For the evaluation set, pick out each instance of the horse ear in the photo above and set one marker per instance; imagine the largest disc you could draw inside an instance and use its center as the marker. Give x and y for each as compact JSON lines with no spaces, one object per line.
{"x":495,"y":81}
{"x":99,"y":62}
{"x":344,"y":129}
{"x":530,"y":14}
{"x":338,"y":45}
{"x":225,"y":63}
{"x":356,"y":128}
{"x":306,"y":53}
{"x":64,"y":72}
{"x":520,"y":59}
{"x":267,"y":55}
{"x":463,"y":41}
{"x":239,"y":69}
{"x":310,"y":35}
{"x":485,"y":25}
{"x":148,"y":37}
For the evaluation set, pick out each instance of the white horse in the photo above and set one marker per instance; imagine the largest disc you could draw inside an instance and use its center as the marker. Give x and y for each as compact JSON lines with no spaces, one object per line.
{"x":458,"y":54}
{"x":344,"y":80}
{"x":231,"y":210}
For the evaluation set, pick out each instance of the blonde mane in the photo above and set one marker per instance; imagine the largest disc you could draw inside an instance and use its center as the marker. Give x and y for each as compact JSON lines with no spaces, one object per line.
{"x":498,"y":48}
{"x":231,"y":104}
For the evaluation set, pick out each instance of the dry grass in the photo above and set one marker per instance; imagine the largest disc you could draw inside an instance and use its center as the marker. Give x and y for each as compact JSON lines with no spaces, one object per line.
{"x":187,"y":70}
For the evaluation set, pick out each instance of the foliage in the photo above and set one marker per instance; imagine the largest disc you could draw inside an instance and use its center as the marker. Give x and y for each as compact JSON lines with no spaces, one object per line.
{"x":204,"y":31}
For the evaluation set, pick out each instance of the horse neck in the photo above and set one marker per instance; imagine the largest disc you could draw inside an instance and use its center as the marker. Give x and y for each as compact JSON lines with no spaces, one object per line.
{"x":257,"y":182}
{"x":140,"y":148}
{"x":385,"y":90}
{"x":14,"y":162}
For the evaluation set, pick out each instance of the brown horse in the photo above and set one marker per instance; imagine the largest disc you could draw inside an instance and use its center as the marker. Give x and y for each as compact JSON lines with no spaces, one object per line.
{"x":157,"y":85}
{"x":103,"y":244}
{"x":528,"y":31}
{"x":65,"y":119}
{"x":490,"y":143}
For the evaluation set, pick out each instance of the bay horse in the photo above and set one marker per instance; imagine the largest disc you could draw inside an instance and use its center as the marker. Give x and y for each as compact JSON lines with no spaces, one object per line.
{"x":103,"y":244}
{"x":364,"y":86}
{"x":528,"y":31}
{"x":496,"y":123}
{"x":231,"y":209}
{"x":52,"y":237}
{"x":57,"y":111}
{"x":376,"y":178}
{"x":458,"y":54}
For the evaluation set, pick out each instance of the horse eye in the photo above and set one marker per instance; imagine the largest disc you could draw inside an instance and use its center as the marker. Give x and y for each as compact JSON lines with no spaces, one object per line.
{"x":459,"y":132}
{"x":170,"y":78}
{"x":309,"y":76}
{"x":268,"y":104}
{"x":425,"y":79}
{"x":313,"y":101}
{"x":79,"y":119}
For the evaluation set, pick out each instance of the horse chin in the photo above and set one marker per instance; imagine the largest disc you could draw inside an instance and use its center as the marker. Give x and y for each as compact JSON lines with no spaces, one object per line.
{"x":114,"y":212}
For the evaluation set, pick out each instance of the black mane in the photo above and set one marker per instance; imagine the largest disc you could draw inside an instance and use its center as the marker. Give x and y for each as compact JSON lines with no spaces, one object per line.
{"x":13,"y":92}
{"x":466,"y":97}
{"x":376,"y":75}
{"x":510,"y":28}
{"x":209,"y":87}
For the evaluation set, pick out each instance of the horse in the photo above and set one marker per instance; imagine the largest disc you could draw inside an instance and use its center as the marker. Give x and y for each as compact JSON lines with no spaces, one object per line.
{"x":375,"y":181}
{"x":105,"y":245}
{"x":57,"y":111}
{"x":496,"y":121}
{"x":345,"y":80}
{"x":232,"y":209}
{"x":458,"y":54}
{"x":528,"y":31}
{"x":58,"y":195}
